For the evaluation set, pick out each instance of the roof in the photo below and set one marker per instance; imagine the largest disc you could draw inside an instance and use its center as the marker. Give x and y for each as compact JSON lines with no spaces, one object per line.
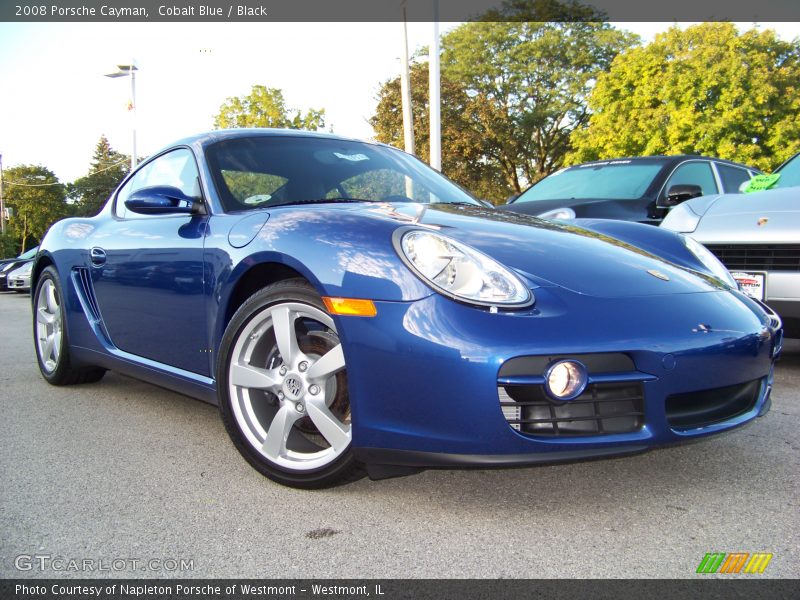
{"x":671,"y":158}
{"x":217,"y":135}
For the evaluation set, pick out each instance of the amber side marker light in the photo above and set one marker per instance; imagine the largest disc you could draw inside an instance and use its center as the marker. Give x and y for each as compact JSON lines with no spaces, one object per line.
{"x":354,"y":307}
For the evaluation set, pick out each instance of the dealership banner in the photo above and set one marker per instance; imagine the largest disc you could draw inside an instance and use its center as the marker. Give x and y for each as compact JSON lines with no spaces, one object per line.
{"x":391,"y":10}
{"x":393,"y":589}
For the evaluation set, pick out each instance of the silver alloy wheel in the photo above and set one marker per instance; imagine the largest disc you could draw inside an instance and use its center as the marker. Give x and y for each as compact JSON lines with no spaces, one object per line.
{"x":269,"y":373}
{"x":48,"y":326}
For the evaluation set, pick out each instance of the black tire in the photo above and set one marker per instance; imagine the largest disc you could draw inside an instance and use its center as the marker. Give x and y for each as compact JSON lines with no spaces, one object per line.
{"x":56,"y":367}
{"x":282,"y":396}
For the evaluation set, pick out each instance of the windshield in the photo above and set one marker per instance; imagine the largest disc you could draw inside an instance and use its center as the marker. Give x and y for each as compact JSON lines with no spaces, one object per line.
{"x":595,"y":181}
{"x":790,"y":173}
{"x":30,"y":253}
{"x":264,"y":171}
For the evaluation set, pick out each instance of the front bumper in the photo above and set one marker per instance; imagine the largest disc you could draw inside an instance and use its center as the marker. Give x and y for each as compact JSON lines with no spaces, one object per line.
{"x":783,"y":295}
{"x":21,"y":284}
{"x":426,"y":377}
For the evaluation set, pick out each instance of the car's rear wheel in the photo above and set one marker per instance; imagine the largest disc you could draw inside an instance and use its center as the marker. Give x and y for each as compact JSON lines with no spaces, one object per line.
{"x":50,"y":335}
{"x":282,"y":388}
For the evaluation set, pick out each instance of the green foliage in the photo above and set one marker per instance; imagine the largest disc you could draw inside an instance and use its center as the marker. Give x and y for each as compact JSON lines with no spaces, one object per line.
{"x":463,"y":147}
{"x":531,"y":80}
{"x":37,"y":200}
{"x":512,"y":93}
{"x":9,"y":247}
{"x":265,"y":107}
{"x":107,"y":170}
{"x":707,"y":89}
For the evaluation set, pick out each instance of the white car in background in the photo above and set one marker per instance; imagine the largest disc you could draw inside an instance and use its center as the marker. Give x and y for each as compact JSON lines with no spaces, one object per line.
{"x":756,"y":236}
{"x":19,"y":279}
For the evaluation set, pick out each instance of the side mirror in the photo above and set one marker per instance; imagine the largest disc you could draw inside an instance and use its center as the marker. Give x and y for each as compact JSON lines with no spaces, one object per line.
{"x":162,"y":200}
{"x":680,"y":193}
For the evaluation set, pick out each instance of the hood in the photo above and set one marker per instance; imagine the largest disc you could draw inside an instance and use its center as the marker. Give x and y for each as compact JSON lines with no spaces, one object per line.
{"x":552,"y":253}
{"x":771,"y":216}
{"x":626,"y":210}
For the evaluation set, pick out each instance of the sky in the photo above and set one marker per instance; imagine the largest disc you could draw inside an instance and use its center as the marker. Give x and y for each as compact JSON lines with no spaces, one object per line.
{"x":55,"y":102}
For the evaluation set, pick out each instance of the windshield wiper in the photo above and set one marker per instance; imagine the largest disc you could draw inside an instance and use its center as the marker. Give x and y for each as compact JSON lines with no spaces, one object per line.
{"x":336,"y":200}
{"x":460,"y":203}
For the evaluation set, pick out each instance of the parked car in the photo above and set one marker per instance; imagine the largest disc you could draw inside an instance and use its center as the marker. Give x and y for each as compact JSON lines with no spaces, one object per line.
{"x":632,"y":189}
{"x":9,"y":264}
{"x":756,"y":236}
{"x":349,"y":308}
{"x":19,"y":279}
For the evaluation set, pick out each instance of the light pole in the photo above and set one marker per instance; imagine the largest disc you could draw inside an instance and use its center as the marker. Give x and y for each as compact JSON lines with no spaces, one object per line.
{"x":129,"y":71}
{"x":434,"y":94}
{"x":2,"y":202}
{"x":405,"y":90}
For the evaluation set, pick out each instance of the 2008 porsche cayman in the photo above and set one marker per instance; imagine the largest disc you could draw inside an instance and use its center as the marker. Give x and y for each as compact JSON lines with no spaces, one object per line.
{"x":350,"y":309}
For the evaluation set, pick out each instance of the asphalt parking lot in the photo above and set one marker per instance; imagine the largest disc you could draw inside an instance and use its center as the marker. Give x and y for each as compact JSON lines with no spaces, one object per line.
{"x":125,"y":471}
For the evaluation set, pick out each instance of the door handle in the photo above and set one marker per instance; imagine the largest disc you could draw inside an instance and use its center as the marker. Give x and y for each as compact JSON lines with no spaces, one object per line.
{"x":97,"y":256}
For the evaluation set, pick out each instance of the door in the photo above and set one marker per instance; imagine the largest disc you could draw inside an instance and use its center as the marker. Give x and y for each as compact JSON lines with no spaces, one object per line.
{"x":148,"y":271}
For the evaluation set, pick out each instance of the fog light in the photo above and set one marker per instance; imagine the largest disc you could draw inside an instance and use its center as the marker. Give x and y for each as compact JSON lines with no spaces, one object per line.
{"x":566,"y":380}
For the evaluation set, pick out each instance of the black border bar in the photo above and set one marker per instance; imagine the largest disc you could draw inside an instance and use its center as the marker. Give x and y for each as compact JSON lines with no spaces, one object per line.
{"x":391,"y":10}
{"x":705,"y":587}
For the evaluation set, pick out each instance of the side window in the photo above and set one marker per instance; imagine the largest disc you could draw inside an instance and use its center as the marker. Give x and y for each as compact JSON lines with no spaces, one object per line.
{"x":732,"y":177}
{"x":176,"y":168}
{"x":693,"y":173}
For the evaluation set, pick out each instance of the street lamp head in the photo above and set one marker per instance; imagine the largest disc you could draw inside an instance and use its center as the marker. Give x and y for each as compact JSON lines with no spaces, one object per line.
{"x":123,"y":71}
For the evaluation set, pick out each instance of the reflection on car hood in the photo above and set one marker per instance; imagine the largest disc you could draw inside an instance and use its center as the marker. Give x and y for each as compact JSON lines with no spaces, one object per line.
{"x":552,"y":253}
{"x":771,"y":216}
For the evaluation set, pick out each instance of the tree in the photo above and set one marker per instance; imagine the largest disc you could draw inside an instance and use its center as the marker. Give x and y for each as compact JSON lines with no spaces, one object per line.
{"x":37,"y":200}
{"x":462,"y":146}
{"x":265,"y":107}
{"x":8,"y":245}
{"x":107,"y":170}
{"x":706,"y":89}
{"x":513,"y":90}
{"x":531,"y":80}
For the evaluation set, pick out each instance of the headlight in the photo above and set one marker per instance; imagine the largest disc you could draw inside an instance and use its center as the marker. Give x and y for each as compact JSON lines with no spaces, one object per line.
{"x":710,"y":261}
{"x":461,"y":272}
{"x":681,"y":218}
{"x":558,"y":213}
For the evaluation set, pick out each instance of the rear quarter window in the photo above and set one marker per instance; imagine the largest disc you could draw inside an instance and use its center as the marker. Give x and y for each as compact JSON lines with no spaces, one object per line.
{"x":732,"y":177}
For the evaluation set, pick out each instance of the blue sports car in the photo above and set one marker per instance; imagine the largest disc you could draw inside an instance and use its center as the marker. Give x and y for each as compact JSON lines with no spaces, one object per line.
{"x":349,"y":310}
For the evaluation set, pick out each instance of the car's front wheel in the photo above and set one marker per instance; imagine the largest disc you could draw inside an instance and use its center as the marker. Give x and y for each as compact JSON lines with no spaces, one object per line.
{"x":282,"y":388}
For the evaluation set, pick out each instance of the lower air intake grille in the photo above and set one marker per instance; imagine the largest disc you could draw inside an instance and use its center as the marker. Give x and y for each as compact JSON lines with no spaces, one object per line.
{"x":604,"y":408}
{"x":698,"y":409}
